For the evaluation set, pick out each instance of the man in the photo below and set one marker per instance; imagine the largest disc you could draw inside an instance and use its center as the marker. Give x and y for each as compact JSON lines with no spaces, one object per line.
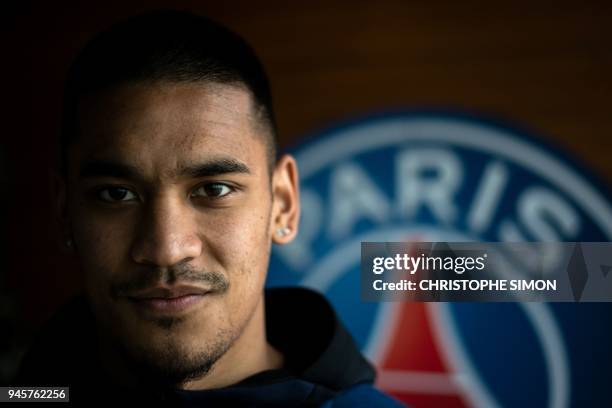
{"x":170,"y":195}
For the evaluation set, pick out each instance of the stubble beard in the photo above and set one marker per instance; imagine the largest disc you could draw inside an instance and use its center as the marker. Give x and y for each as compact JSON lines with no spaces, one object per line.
{"x":169,"y":363}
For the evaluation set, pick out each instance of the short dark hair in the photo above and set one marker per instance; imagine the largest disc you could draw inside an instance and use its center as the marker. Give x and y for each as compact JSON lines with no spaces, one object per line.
{"x":175,"y":46}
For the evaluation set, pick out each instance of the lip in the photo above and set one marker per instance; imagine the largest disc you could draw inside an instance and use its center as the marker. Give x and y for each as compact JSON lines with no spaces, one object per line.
{"x":169,"y":300}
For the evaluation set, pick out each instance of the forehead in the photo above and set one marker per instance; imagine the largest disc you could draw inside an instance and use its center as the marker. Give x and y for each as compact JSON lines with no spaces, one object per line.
{"x":160,"y":127}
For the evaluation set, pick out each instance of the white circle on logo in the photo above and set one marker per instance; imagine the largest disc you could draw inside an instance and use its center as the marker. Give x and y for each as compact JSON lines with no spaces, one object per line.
{"x":348,"y":142}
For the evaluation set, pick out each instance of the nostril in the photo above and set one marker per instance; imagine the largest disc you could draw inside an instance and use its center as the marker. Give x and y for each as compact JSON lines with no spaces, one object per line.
{"x":166,"y":250}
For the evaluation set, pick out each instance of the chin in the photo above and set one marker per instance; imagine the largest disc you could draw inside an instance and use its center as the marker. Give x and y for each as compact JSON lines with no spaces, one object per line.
{"x":171,"y":358}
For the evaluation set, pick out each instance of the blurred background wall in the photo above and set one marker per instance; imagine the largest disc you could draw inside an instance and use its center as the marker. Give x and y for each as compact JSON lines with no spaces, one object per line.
{"x":545,"y":65}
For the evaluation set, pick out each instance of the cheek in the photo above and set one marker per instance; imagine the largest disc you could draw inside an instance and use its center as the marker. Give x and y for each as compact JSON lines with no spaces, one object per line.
{"x":101,"y":242}
{"x":240,"y":245}
{"x":237,"y":239}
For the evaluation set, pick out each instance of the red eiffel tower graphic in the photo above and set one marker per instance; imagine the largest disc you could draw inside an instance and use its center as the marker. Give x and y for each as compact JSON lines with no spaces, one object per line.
{"x":412,"y":365}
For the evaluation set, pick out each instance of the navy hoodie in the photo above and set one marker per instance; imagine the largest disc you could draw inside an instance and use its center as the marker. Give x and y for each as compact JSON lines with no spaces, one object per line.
{"x":323,"y":367}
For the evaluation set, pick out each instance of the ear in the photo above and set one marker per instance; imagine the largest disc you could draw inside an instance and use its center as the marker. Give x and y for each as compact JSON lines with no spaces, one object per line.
{"x":286,"y":200}
{"x":59,"y":191}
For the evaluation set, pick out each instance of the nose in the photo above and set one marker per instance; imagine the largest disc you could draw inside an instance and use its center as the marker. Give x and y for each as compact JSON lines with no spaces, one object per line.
{"x":167,"y":234}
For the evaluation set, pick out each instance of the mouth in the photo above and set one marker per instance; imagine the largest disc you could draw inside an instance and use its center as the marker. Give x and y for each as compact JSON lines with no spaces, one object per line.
{"x":169,"y":300}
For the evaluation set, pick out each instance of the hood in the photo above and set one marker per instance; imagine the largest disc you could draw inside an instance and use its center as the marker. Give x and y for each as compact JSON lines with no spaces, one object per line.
{"x":321,"y":358}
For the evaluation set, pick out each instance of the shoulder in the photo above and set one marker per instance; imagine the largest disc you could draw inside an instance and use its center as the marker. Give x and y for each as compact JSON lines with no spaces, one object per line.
{"x":362,"y":395}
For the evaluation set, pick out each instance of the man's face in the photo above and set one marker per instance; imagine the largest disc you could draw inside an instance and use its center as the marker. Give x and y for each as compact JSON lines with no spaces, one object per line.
{"x":170,"y":207}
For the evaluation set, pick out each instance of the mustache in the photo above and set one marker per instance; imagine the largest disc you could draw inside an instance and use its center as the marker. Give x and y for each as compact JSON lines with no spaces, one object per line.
{"x":183,"y":274}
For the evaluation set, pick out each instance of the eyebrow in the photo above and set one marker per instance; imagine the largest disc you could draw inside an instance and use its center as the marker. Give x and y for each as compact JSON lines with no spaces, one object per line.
{"x":209,"y":168}
{"x":215,"y":167}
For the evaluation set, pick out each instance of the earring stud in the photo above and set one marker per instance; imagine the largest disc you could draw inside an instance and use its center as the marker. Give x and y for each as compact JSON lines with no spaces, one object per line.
{"x":283,"y":231}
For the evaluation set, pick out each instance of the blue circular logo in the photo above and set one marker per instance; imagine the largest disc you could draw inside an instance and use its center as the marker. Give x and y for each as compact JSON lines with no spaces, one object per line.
{"x":444,"y":177}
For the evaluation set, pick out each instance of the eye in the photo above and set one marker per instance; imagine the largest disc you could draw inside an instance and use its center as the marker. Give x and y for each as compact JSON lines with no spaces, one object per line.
{"x":116,"y":194}
{"x":212,"y":190}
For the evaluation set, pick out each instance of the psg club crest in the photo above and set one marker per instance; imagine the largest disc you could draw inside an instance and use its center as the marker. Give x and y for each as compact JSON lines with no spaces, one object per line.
{"x":449,"y":177}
